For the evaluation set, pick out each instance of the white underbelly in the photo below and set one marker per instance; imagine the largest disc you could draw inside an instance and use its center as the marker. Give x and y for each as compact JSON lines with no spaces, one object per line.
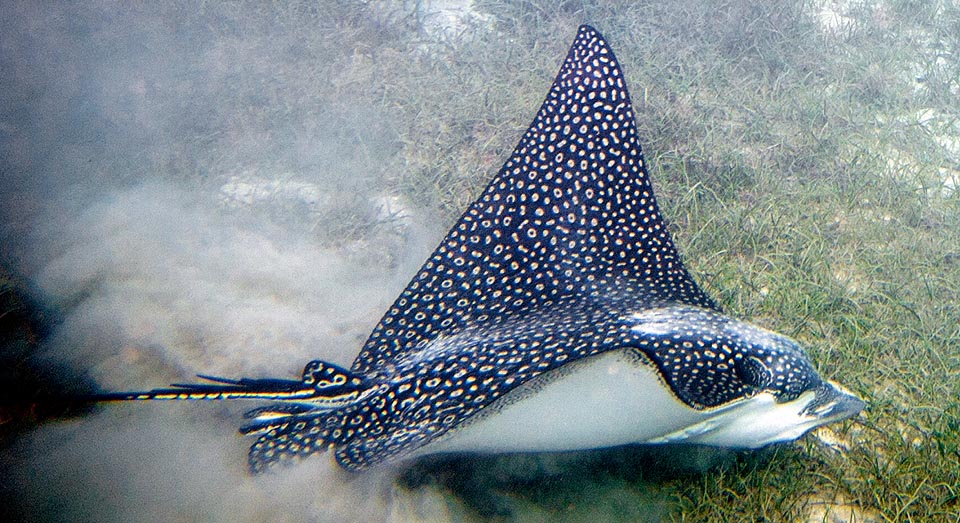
{"x":614,"y":399}
{"x":607,"y":400}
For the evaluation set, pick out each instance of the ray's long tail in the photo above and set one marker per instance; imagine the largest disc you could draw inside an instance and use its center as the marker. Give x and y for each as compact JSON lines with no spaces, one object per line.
{"x":323,"y":386}
{"x":307,"y":418}
{"x":220,"y":389}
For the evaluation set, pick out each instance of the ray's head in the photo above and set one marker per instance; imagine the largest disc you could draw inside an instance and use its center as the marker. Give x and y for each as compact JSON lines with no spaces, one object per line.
{"x":765,"y":382}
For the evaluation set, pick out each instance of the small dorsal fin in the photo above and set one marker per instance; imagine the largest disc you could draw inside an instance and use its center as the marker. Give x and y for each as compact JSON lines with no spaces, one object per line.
{"x":571,"y":216}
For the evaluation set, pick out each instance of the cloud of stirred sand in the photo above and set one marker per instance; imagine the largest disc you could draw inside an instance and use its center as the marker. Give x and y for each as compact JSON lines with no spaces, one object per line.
{"x":193,"y":193}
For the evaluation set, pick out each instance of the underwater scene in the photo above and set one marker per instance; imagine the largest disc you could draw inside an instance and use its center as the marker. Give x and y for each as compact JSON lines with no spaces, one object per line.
{"x":414,"y":253}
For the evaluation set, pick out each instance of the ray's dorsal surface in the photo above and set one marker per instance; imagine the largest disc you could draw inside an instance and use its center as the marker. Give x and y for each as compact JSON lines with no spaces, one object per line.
{"x":555,"y":315}
{"x":571,"y":216}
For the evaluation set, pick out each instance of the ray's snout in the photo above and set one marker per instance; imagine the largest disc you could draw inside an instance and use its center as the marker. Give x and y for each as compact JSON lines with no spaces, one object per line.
{"x":834,"y":402}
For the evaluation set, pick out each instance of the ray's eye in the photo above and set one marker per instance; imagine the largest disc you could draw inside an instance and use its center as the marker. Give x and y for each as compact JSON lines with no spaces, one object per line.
{"x":753,"y":372}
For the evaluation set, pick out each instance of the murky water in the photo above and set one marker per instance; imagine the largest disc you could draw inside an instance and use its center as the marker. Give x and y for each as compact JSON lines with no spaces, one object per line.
{"x":235,"y":190}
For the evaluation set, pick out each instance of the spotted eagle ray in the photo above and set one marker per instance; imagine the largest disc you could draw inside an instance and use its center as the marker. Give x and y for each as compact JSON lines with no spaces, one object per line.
{"x":555,"y":315}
